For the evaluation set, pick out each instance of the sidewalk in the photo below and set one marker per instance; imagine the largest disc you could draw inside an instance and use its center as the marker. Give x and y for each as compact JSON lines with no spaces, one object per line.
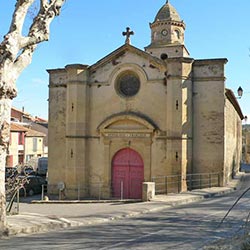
{"x":42,"y":217}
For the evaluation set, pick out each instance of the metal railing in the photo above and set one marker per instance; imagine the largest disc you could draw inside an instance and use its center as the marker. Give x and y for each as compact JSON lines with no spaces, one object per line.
{"x":78,"y":192}
{"x":97,"y":190}
{"x":163,"y":185}
{"x":173,"y":183}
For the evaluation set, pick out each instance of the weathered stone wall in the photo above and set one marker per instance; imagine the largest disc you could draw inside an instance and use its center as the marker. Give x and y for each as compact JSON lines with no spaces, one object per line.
{"x":77,"y":129}
{"x":233,"y":141}
{"x":247,"y":148}
{"x":208,"y":116}
{"x":57,"y":129}
{"x":246,"y":143}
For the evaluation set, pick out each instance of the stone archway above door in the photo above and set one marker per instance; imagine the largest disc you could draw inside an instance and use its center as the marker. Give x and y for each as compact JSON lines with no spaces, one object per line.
{"x":127,"y":125}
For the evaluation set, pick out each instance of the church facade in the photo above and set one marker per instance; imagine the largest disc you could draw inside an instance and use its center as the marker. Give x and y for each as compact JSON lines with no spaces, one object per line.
{"x":137,"y":115}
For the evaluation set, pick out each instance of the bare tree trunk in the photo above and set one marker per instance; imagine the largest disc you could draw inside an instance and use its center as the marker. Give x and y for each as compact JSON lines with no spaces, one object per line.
{"x":16,"y":51}
{"x":5,"y":109}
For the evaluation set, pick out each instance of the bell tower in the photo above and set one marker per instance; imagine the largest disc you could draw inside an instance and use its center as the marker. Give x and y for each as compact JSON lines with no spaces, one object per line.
{"x":167,"y":34}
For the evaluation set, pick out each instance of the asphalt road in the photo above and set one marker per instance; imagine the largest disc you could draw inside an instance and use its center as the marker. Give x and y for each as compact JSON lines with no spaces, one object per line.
{"x":186,"y":227}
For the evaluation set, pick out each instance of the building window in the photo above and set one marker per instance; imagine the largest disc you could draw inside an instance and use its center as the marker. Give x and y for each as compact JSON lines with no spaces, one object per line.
{"x":20,"y":159}
{"x":177,"y":33}
{"x":20,"y":138}
{"x":9,"y":161}
{"x":34,"y":144}
{"x":128,"y":84}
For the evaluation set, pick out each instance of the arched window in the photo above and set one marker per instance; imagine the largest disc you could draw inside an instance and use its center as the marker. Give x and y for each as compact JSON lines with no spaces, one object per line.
{"x":177,"y":33}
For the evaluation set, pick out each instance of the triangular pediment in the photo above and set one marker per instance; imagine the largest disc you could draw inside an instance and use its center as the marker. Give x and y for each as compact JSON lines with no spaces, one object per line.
{"x":127,"y":122}
{"x":122,"y":51}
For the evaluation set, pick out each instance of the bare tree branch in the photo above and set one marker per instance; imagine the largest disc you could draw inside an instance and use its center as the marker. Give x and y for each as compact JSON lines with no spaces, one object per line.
{"x":40,"y":29}
{"x":24,"y":59}
{"x":19,"y":15}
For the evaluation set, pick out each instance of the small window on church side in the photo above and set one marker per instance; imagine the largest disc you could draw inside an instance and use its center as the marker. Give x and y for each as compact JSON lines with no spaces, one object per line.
{"x":177,"y":33}
{"x":128,"y":84}
{"x":164,"y":56}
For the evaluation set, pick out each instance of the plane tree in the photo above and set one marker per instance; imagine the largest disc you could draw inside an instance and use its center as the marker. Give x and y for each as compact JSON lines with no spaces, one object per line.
{"x":16,"y":51}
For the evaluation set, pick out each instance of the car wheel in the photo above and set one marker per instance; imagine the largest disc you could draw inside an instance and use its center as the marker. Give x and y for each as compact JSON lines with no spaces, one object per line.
{"x":31,"y":192}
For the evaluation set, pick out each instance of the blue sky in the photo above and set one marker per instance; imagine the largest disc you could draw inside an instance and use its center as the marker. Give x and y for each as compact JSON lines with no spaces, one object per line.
{"x":86,"y":31}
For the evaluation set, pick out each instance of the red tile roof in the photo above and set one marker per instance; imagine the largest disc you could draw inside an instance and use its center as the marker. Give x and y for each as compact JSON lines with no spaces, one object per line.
{"x":34,"y":133}
{"x":17,"y":128}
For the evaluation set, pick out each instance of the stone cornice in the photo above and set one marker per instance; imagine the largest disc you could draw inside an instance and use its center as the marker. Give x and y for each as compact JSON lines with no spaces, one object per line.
{"x":208,"y":78}
{"x":173,"y":138}
{"x":181,"y":77}
{"x":59,"y":70}
{"x":167,"y":22}
{"x":76,"y":66}
{"x":180,"y":59}
{"x":207,"y":61}
{"x":82,"y":136}
{"x":103,"y":84}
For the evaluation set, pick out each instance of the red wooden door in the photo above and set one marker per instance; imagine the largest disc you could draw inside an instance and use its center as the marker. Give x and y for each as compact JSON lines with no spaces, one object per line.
{"x":127,"y":174}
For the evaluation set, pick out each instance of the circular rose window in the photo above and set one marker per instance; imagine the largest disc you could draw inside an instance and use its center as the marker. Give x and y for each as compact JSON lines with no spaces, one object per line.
{"x":128,"y":84}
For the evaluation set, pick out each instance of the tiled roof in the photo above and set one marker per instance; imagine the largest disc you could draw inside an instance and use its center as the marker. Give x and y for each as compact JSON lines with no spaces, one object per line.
{"x":167,"y":12}
{"x":16,"y":113}
{"x":33,"y":133}
{"x":17,"y":128}
{"x":39,"y":119}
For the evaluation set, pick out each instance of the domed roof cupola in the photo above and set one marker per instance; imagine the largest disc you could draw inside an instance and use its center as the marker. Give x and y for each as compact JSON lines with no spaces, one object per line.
{"x":166,"y":30}
{"x":167,"y":12}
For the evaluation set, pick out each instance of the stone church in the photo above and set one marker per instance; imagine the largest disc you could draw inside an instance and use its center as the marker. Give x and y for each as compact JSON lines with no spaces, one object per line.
{"x":142,"y":115}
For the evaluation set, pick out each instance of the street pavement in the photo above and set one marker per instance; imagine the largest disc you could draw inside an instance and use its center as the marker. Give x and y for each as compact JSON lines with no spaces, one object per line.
{"x":39,"y":216}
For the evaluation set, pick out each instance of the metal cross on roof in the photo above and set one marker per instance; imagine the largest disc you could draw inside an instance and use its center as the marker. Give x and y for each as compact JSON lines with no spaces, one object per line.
{"x":128,"y":33}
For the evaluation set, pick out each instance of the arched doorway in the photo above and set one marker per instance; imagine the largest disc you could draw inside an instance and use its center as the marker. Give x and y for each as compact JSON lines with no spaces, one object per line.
{"x":127,"y":174}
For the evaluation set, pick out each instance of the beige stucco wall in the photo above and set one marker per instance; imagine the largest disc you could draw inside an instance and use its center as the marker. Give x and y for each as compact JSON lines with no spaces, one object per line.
{"x":14,"y":147}
{"x":29,"y":147}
